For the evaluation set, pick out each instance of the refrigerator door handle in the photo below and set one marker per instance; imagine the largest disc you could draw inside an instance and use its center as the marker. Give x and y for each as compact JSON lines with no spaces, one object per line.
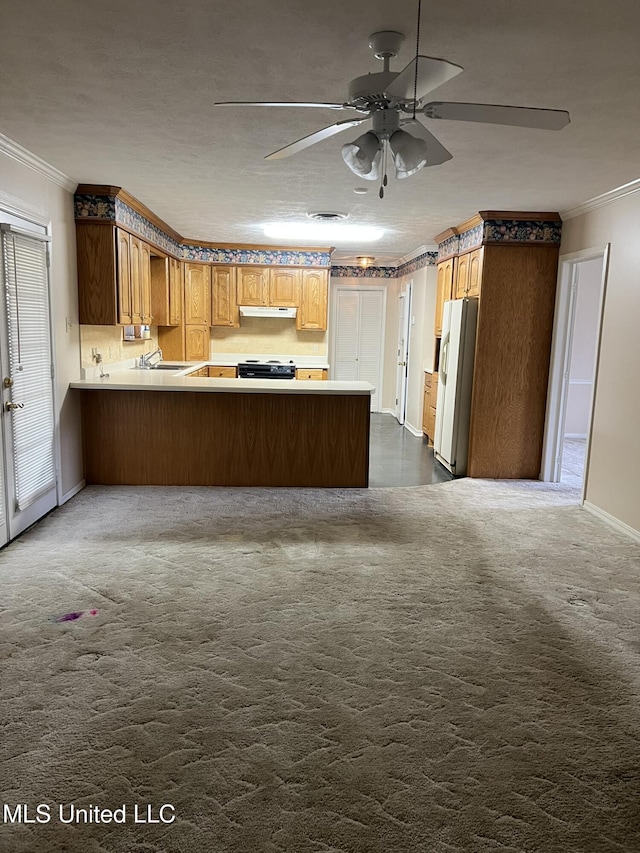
{"x":445,"y":357}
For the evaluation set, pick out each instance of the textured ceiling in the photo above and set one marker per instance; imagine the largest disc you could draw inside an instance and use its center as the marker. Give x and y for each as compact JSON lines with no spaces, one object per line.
{"x":121,"y":93}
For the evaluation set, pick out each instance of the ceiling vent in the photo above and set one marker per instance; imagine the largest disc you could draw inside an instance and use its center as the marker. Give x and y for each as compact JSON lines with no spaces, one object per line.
{"x":327,"y":216}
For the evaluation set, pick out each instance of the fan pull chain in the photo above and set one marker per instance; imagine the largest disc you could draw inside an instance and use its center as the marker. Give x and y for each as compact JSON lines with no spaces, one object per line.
{"x":383,"y":170}
{"x":415,"y":77}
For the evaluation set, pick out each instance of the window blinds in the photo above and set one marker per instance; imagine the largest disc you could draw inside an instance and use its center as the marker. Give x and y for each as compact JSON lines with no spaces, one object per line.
{"x":30,"y":365}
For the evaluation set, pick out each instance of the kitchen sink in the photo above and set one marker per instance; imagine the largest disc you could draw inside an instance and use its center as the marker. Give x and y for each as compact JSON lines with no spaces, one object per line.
{"x":162,"y":366}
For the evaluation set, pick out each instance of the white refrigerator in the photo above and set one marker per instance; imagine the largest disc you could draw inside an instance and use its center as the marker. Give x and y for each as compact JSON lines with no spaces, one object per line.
{"x":455,"y":378}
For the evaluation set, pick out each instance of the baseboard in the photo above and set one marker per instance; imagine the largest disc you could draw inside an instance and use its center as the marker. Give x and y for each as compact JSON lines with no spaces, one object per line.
{"x":73,"y":491}
{"x":612,"y":521}
{"x":388,"y":412}
{"x":413,"y":430}
{"x":575,"y":435}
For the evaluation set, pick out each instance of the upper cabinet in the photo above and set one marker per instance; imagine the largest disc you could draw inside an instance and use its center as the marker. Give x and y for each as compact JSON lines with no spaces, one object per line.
{"x":166,"y":290}
{"x":197,"y":294}
{"x":284,"y":287}
{"x":314,"y":297}
{"x":469,"y":274}
{"x":114,"y":276}
{"x":253,"y":285}
{"x":224,"y":304}
{"x":443,"y":291}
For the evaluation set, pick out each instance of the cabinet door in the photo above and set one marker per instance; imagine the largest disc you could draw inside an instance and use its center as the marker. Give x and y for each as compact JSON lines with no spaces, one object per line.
{"x":221,"y":372}
{"x":462,"y":277}
{"x":314,"y":373}
{"x":197,"y":343}
{"x":314,"y":294}
{"x":426,"y":402}
{"x":224,"y":307}
{"x":197,"y":295}
{"x":145,"y":282}
{"x":175,"y":292}
{"x":253,"y":285}
{"x":136,"y":283}
{"x":284,"y":287}
{"x":443,"y":292}
{"x":124,"y":278}
{"x":475,"y":272}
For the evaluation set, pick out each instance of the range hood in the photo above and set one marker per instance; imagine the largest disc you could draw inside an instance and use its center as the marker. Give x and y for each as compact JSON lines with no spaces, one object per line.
{"x":263,"y":311}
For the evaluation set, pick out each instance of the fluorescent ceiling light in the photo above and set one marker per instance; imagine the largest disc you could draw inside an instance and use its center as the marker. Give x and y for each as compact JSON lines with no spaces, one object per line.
{"x":328,"y":231}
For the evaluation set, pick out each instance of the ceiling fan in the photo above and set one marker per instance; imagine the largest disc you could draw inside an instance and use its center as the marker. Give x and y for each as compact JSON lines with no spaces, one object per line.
{"x":391,"y":101}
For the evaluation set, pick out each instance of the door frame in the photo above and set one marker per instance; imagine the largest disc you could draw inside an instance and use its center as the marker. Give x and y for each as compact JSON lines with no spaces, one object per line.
{"x":357,"y":285}
{"x":402,"y":359}
{"x":560,"y":361}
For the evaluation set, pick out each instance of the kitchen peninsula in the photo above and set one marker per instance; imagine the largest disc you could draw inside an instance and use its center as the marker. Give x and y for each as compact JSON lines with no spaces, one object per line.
{"x":150,"y":427}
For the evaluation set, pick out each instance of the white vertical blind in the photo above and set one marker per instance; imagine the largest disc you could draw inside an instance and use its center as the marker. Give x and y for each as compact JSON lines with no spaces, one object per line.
{"x":30,"y":365}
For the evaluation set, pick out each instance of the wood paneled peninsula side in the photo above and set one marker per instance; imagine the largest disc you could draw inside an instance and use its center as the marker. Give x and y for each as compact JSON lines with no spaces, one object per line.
{"x":146,"y":428}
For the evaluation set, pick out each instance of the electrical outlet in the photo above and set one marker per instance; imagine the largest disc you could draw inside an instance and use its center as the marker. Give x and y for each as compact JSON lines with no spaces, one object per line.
{"x":94,"y":352}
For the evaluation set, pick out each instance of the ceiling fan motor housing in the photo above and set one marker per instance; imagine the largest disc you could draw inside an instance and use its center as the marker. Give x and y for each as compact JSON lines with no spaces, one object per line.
{"x":371,"y":87}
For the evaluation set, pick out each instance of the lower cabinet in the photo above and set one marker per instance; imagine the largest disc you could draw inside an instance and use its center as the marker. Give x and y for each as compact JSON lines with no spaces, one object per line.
{"x":197,"y":343}
{"x":429,"y":405}
{"x":316,"y":373}
{"x":216,"y":371}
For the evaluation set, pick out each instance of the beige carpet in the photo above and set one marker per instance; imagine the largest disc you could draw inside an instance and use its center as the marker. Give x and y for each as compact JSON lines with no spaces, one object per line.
{"x":447,"y":669}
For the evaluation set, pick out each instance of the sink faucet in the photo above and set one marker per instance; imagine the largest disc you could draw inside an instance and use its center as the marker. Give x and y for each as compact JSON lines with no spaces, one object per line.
{"x":145,"y":360}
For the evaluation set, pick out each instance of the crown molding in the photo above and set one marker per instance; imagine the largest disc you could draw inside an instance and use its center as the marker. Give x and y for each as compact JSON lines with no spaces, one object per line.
{"x":17,"y":152}
{"x":415,"y":253}
{"x":602,"y":200}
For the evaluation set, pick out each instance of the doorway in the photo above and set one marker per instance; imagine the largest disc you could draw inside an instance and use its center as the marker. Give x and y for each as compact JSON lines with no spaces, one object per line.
{"x":402,"y":369}
{"x":574,"y":367}
{"x":358,"y":341}
{"x":28,"y":471}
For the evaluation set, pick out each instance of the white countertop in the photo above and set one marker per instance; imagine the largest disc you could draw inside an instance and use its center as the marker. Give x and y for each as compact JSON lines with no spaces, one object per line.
{"x":135,"y":379}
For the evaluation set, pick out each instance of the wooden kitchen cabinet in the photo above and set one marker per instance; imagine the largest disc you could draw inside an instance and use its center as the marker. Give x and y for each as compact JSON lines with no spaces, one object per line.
{"x":515,"y":282}
{"x":284,"y":287}
{"x":314,"y":373}
{"x":224,"y":303}
{"x":166,"y":290}
{"x":429,"y":405}
{"x":314,"y":298}
{"x":222,"y":371}
{"x":443,"y":291}
{"x":252,"y":285}
{"x":114,"y":276}
{"x":197,"y":343}
{"x":197,"y":295}
{"x":469,"y":274}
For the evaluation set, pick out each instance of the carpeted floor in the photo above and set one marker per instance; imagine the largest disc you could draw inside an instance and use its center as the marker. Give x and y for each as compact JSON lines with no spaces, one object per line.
{"x":447,"y":669}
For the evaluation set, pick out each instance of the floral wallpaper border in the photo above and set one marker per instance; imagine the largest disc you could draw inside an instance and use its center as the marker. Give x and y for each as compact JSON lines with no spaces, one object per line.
{"x":112,"y":209}
{"x":548,"y":231}
{"x":426,"y":259}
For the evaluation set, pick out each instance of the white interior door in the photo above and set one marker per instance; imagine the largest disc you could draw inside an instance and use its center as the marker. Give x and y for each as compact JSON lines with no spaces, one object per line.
{"x":27,"y":380}
{"x":404,"y":323}
{"x":359,"y":337}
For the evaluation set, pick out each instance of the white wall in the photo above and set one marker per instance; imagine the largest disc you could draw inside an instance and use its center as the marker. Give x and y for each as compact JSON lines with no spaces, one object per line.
{"x":583,"y":347}
{"x":613,"y":473}
{"x":32,"y":193}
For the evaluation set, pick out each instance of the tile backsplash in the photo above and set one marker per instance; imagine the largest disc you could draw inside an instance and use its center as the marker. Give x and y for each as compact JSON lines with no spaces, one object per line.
{"x":109,"y":343}
{"x":268,"y":336}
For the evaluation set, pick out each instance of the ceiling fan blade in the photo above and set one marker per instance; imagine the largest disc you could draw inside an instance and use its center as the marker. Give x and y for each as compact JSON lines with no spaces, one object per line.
{"x":318,"y":136}
{"x":436,"y":152}
{"x":280,"y":104}
{"x":432,"y":73}
{"x":497,"y":114}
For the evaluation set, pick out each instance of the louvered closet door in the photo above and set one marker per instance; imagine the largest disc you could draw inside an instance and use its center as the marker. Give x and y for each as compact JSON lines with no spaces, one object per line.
{"x":27,"y":393}
{"x":359,"y":334}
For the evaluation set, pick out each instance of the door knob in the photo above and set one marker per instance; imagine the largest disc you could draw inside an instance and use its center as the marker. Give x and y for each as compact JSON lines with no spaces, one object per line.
{"x":10,"y":406}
